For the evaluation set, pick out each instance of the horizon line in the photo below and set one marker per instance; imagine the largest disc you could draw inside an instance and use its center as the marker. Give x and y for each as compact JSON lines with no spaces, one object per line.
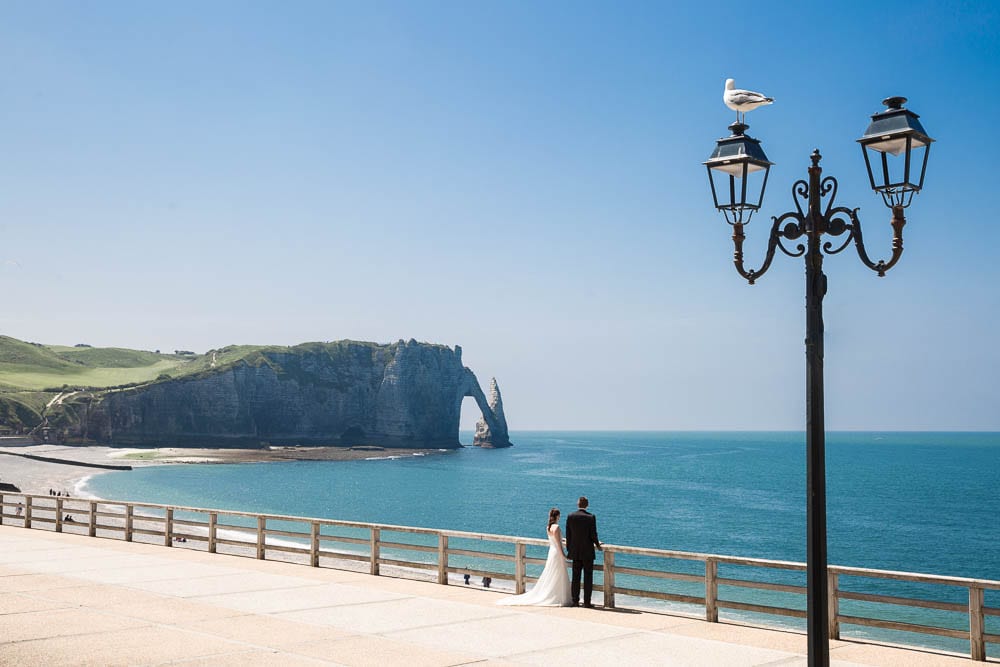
{"x":735,"y":430}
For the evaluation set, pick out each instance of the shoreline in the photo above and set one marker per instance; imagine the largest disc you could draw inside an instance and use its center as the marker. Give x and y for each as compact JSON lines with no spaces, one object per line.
{"x":34,"y":476}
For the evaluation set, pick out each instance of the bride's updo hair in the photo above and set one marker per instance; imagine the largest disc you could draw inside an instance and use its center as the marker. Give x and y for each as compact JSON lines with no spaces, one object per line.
{"x":553,"y":516}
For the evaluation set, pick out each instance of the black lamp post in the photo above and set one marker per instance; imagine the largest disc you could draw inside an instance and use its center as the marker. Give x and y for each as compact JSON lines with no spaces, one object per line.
{"x":894,"y":132}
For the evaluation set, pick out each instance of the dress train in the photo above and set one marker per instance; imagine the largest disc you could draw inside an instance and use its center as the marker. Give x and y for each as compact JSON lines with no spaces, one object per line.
{"x":552,"y":587}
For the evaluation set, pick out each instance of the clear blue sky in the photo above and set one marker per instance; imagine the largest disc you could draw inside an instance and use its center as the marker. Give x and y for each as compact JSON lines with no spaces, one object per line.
{"x":521,"y":179}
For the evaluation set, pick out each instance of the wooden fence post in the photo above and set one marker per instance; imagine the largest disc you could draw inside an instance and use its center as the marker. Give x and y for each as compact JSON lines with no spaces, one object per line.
{"x":977,"y":645}
{"x":129,"y":521}
{"x":520,"y":550}
{"x":213,"y":520}
{"x":59,"y":515}
{"x":261,"y":527}
{"x":443,"y":559}
{"x":314,"y":544}
{"x":833,"y":603}
{"x":168,"y":527}
{"x":2,"y":509}
{"x":609,"y":579}
{"x":27,"y":511}
{"x":711,"y":590}
{"x":376,"y":532}
{"x":92,"y":520}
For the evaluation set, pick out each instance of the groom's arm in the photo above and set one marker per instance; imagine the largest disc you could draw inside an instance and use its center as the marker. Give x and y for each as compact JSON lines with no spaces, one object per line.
{"x":597,"y":542}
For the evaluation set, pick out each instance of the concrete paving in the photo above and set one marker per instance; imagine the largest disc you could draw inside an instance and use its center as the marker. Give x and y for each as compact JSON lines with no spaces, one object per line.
{"x":74,"y":600}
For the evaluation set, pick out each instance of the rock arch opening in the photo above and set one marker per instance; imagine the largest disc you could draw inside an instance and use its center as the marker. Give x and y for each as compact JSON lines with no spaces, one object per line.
{"x":469,"y":416}
{"x":491,"y":429}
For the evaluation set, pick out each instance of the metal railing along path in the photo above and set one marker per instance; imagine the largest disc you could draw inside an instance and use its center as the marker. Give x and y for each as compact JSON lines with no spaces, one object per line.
{"x":690,"y":580}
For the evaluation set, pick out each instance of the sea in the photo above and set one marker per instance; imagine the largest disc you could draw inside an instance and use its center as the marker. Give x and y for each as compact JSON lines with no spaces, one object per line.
{"x":908,"y":501}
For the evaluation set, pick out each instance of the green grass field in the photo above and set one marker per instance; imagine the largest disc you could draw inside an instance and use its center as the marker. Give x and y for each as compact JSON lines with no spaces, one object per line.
{"x":109,"y":357}
{"x":34,"y":367}
{"x":32,"y":379}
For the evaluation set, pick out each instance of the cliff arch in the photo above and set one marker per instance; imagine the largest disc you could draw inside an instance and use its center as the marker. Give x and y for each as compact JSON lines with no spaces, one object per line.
{"x":491,"y":429}
{"x":404,"y":394}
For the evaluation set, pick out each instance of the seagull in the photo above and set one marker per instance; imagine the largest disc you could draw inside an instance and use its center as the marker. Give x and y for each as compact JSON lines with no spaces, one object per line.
{"x":743,"y":100}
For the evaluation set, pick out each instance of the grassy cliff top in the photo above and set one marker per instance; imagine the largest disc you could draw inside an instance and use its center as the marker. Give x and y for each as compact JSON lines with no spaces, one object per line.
{"x":36,"y":367}
{"x":33,"y":367}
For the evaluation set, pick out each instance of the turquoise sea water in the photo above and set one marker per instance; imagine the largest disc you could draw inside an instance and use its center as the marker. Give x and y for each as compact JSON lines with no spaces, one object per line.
{"x":918,"y":502}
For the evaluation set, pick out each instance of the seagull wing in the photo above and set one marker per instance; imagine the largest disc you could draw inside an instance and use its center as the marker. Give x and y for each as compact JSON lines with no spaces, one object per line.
{"x":740,"y":97}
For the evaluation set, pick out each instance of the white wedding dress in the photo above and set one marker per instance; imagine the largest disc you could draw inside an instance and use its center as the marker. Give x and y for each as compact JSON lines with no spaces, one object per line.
{"x":552,"y":587}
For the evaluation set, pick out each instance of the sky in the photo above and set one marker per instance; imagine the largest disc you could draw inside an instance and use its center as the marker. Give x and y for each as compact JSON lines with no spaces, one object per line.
{"x":521,"y":179}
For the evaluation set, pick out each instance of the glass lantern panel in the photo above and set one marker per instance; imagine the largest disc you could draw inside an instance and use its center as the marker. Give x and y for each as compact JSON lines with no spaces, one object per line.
{"x":735,"y":167}
{"x":895,"y":145}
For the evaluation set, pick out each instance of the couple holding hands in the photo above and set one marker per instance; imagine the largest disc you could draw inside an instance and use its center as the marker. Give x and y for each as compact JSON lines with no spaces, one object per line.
{"x":553,"y":588}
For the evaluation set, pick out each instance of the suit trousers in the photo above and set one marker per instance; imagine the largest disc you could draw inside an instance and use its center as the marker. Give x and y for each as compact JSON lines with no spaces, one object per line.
{"x":585,"y":567}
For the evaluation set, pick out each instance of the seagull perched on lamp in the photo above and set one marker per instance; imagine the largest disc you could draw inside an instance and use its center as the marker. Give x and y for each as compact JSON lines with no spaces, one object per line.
{"x":742,"y":101}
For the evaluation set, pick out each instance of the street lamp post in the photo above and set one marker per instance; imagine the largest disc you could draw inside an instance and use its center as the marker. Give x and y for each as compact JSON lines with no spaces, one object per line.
{"x":895,"y":132}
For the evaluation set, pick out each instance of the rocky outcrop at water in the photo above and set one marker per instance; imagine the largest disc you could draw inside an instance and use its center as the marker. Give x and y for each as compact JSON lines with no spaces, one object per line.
{"x":491,"y":432}
{"x":406,"y":394}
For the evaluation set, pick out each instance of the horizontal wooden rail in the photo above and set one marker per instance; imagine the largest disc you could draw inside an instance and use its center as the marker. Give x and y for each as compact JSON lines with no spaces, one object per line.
{"x":655,"y":574}
{"x":763,"y":609}
{"x":291,"y":550}
{"x":376,"y":548}
{"x":906,"y":602}
{"x":660,"y":595}
{"x":963,"y":582}
{"x":411,"y":547}
{"x":481,"y":554}
{"x":905,"y":627}
{"x":763,"y":585}
{"x":344,"y":555}
{"x":190,"y":536}
{"x":339,"y":538}
{"x":287,"y":533}
{"x":408,"y":563}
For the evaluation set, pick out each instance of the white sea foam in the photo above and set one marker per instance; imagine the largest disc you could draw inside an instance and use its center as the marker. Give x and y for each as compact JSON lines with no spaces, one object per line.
{"x":393,"y":457}
{"x":80,"y":487}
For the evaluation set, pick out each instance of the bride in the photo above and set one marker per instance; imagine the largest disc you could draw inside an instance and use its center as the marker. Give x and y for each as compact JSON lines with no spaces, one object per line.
{"x":552,"y":587}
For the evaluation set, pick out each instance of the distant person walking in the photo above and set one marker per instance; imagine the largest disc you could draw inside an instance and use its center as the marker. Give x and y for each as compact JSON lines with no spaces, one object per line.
{"x":581,"y":540}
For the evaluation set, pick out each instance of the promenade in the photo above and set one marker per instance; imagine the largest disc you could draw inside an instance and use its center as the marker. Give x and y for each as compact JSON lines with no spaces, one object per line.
{"x":73,"y":600}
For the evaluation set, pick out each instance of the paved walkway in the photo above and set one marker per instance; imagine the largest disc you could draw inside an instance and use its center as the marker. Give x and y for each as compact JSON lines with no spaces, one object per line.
{"x":74,"y":600}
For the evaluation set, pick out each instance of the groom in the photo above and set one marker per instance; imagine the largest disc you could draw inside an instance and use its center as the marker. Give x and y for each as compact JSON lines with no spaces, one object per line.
{"x":581,"y":538}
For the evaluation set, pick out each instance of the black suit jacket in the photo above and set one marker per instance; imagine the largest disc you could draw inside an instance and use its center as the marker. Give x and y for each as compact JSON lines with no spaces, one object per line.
{"x":581,"y":535}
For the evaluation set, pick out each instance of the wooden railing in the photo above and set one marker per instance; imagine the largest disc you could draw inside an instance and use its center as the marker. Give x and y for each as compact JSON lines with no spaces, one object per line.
{"x":684,"y":578}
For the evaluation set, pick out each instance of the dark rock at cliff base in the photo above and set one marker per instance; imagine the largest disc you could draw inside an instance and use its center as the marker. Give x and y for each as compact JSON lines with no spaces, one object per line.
{"x":345,"y":393}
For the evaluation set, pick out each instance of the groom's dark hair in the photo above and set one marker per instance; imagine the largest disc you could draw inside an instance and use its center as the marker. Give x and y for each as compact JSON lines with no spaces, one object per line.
{"x":583,"y":502}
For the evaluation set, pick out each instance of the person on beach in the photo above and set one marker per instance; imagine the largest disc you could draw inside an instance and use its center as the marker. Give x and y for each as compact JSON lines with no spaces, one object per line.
{"x":581,"y":540}
{"x":552,"y":587}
